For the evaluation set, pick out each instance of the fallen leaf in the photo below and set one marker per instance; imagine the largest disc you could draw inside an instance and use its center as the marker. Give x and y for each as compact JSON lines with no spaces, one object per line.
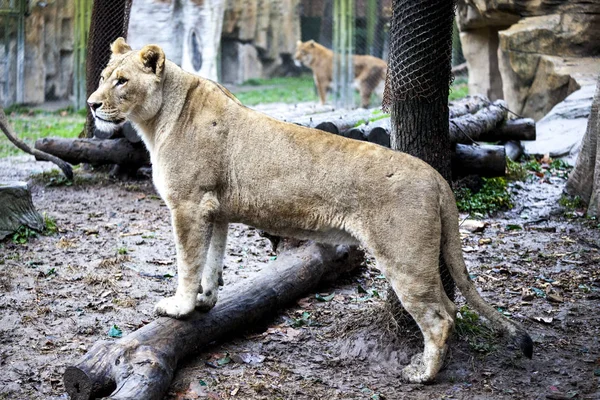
{"x":248,"y":358}
{"x":115,"y":332}
{"x":483,"y":241}
{"x":555,"y":298}
{"x":473,"y":226}
{"x":544,"y":320}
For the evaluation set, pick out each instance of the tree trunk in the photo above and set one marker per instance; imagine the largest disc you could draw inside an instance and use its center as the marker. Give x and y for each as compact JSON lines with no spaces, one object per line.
{"x":110,"y":20}
{"x":141,"y":365}
{"x":416,"y":92}
{"x":16,"y":209}
{"x":584,"y":181}
{"x":95,"y":151}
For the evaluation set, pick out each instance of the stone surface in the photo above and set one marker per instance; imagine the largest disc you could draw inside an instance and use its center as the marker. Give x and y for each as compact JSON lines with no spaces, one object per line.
{"x":559,"y":133}
{"x":186,"y":31}
{"x":480,"y":51}
{"x":545,"y":49}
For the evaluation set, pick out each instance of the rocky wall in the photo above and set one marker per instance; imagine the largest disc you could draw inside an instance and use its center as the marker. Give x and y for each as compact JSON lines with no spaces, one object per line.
{"x":532,"y":54}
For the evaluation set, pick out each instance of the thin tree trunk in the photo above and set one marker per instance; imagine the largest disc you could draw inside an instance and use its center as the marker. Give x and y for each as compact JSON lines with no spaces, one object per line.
{"x":584,"y":181}
{"x":110,"y":20}
{"x":417,"y":88}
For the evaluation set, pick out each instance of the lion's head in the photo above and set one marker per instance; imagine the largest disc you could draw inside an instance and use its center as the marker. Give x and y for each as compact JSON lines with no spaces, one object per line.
{"x":130,"y":86}
{"x":305,"y":52}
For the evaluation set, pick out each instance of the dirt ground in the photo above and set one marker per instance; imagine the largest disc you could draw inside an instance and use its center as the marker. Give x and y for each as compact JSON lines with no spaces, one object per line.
{"x":113,"y":259}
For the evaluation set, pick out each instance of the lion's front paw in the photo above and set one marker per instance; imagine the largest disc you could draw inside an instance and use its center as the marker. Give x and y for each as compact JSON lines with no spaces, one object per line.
{"x":175,"y":307}
{"x":415,"y":371}
{"x":206,"y":302}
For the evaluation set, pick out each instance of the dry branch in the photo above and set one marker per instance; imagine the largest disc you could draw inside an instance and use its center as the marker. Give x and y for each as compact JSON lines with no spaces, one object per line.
{"x":95,"y":151}
{"x":39,"y":155}
{"x":141,"y":365}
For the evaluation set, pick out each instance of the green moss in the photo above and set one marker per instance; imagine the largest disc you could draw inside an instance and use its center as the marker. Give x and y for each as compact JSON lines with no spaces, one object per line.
{"x":493,"y":196}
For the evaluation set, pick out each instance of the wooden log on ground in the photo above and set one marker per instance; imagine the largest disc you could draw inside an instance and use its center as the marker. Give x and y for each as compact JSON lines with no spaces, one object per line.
{"x":512,"y":129}
{"x":16,"y":209}
{"x":343,"y":119}
{"x":467,"y":105}
{"x":471,"y":128}
{"x":485,"y":160}
{"x":39,"y":155}
{"x":141,"y":365}
{"x":95,"y":151}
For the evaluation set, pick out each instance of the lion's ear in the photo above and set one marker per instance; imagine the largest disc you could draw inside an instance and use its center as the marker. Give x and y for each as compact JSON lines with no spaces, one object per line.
{"x":299,"y":43}
{"x":153,"y":57}
{"x":311,"y":42}
{"x":120,"y":47}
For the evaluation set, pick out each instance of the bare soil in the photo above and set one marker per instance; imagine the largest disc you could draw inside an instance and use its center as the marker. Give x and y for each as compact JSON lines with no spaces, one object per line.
{"x":113,"y":259}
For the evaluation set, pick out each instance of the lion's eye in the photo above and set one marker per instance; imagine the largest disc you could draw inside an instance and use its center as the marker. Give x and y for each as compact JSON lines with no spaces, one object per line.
{"x":121,"y":81}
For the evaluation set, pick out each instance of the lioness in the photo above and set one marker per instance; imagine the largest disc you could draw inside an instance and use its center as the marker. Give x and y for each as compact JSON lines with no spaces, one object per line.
{"x":216,"y":162}
{"x":369,"y":71}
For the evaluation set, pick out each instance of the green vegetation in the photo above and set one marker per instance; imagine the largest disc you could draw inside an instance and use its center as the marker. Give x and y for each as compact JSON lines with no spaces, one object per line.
{"x":459,"y":89}
{"x":492,"y":197}
{"x":23,"y":234}
{"x":30,"y":125}
{"x":275,"y":90}
{"x":571,"y":203}
{"x":470,"y":329}
{"x":50,"y":227}
{"x":300,"y":89}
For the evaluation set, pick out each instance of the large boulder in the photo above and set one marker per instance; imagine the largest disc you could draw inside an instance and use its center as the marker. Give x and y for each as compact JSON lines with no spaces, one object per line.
{"x":561,"y":131}
{"x":539,"y":52}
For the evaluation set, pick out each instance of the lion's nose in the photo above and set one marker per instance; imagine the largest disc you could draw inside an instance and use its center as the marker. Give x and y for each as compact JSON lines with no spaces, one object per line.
{"x":94,"y":106}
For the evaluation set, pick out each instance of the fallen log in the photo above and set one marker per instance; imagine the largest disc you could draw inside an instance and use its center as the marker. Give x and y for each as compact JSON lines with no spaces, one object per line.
{"x":486,"y":160}
{"x":95,"y":151}
{"x":141,"y":365}
{"x":471,"y":128}
{"x":467,"y":105}
{"x":39,"y":155}
{"x":512,"y":129}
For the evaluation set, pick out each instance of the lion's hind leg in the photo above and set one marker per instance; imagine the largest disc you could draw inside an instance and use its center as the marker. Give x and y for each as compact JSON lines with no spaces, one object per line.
{"x":412,"y":270}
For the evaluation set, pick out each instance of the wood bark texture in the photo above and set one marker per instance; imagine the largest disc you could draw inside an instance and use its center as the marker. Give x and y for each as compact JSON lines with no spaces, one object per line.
{"x":486,"y":160}
{"x":95,"y":151}
{"x":141,"y":365}
{"x":16,"y":209}
{"x":39,"y":155}
{"x":584,"y":181}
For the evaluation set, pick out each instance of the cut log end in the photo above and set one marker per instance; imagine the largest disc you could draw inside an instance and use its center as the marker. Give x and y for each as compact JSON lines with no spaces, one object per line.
{"x":78,"y":385}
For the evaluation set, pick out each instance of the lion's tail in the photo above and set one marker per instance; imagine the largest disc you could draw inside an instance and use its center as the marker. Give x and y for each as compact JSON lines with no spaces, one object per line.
{"x":452,"y":254}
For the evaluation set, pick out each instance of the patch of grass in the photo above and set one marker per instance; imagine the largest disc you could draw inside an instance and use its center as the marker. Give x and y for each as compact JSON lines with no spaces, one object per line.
{"x":31,"y":124}
{"x":459,"y":89}
{"x":50,"y":227}
{"x":515,"y":171}
{"x":469,"y":328}
{"x":300,"y":89}
{"x":23,"y":234}
{"x":493,"y":196}
{"x":122,"y":250}
{"x":276,"y":90}
{"x":571,"y":203}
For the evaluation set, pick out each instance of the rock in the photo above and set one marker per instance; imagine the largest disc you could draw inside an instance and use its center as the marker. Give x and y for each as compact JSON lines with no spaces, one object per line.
{"x":16,"y":209}
{"x":559,"y":133}
{"x":539,"y":52}
{"x":239,"y":62}
{"x":480,"y":48}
